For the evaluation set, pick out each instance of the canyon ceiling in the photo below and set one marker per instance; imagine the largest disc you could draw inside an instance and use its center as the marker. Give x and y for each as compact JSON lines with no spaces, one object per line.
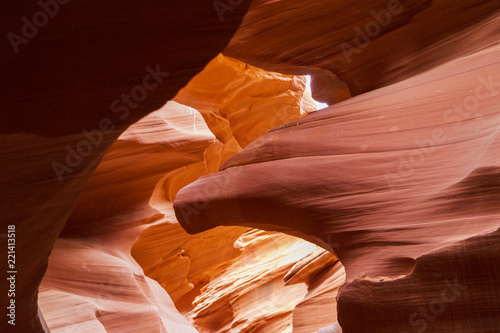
{"x":166,"y":168}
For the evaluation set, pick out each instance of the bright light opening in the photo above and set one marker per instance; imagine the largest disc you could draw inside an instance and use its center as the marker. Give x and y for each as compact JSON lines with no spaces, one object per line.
{"x":319,"y":105}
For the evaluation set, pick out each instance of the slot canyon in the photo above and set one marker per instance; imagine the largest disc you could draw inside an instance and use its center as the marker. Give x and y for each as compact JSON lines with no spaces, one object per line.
{"x":250,"y":166}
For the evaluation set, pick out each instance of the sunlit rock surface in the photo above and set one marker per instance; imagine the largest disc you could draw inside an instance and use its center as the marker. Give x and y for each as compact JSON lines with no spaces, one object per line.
{"x":64,"y":80}
{"x":367,"y":45}
{"x":133,"y":268}
{"x":402,"y":183}
{"x":91,"y":271}
{"x":255,"y":293}
{"x":241,"y":103}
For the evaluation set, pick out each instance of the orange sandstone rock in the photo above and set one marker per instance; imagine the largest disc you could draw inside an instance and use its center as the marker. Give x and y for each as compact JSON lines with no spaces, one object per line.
{"x":401,"y":183}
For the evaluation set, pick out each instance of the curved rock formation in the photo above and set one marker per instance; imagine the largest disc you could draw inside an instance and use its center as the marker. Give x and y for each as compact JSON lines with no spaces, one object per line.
{"x":255,"y":294}
{"x":386,"y":180}
{"x":367,"y":45}
{"x":102,"y":283}
{"x":241,"y":103}
{"x":95,"y":67}
{"x":124,"y":243}
{"x":400,"y":182}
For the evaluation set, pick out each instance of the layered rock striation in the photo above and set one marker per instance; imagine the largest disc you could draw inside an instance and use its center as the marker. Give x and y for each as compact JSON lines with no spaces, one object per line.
{"x":133,"y":268}
{"x":401,"y":183}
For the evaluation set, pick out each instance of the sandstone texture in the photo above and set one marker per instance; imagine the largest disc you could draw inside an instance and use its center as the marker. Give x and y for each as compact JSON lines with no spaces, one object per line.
{"x":167,"y":167}
{"x":133,"y":268}
{"x":401,"y":183}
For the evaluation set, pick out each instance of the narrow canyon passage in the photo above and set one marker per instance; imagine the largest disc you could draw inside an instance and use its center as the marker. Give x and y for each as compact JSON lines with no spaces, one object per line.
{"x":229,"y":279}
{"x":264,"y":166}
{"x":402,"y":183}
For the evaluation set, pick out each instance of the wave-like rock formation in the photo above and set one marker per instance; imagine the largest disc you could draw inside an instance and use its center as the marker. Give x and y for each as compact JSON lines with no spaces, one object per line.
{"x":95,"y":67}
{"x":261,"y":291}
{"x":91,"y":270}
{"x":366,"y":45}
{"x":401,"y":183}
{"x":132,"y":267}
{"x":398,"y":184}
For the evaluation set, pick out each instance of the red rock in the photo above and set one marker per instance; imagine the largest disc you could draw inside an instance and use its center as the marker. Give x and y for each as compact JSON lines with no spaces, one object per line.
{"x":64,"y":81}
{"x":386,"y":180}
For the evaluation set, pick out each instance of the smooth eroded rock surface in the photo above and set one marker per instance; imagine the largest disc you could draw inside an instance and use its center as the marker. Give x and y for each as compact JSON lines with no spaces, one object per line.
{"x":133,"y":268}
{"x":386,"y":180}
